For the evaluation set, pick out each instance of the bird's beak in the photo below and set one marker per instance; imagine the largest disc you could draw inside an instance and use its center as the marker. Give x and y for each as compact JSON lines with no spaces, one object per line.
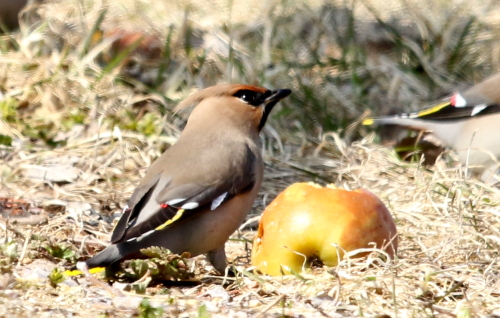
{"x":269,"y":103}
{"x":276,"y":97}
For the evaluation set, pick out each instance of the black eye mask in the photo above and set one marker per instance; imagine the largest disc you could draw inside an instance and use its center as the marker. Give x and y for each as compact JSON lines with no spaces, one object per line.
{"x":251,"y":97}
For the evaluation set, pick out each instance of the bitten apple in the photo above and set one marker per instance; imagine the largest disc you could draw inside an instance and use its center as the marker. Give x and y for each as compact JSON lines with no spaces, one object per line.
{"x":307,"y":221}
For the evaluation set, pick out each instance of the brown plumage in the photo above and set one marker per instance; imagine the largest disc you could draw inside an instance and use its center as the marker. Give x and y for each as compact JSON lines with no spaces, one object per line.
{"x":200,"y":190}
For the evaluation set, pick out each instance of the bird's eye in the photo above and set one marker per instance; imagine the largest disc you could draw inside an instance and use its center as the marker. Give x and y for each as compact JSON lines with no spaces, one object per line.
{"x":250,"y":97}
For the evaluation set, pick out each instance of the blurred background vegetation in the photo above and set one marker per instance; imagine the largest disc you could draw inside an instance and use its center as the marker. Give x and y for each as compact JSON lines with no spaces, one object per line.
{"x":76,"y":67}
{"x":87,"y":92}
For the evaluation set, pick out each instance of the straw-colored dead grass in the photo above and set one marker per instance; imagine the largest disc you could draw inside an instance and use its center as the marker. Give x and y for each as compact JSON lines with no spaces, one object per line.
{"x":447,"y":260}
{"x":102,"y":130}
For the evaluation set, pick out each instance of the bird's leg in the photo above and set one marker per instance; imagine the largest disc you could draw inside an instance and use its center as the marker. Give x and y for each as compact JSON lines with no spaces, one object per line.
{"x":217,"y":258}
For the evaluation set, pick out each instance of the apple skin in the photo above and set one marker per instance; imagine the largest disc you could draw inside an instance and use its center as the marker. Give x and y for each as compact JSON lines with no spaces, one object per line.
{"x":312,"y":220}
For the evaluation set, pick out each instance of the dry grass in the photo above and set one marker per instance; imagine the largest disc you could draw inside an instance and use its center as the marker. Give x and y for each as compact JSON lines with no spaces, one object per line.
{"x":69,"y":101}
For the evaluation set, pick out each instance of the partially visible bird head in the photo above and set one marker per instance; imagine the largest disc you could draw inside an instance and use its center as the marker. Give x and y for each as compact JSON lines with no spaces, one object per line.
{"x":241,"y":103}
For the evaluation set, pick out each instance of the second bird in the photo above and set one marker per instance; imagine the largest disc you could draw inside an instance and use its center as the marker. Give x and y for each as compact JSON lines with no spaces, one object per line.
{"x":469,"y":123}
{"x":201,"y":189}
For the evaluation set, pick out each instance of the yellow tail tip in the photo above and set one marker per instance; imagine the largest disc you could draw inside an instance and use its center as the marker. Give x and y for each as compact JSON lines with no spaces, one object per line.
{"x":72,"y":273}
{"x":77,"y":272}
{"x":367,"y":122}
{"x":96,"y":270}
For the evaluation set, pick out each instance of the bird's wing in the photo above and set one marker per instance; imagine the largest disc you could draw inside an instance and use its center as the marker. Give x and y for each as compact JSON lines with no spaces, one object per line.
{"x":175,"y":196}
{"x":449,"y":111}
{"x":445,"y":112}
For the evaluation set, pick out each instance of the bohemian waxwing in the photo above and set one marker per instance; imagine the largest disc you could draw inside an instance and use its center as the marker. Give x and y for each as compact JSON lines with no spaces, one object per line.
{"x":200,"y":190}
{"x":469,"y":123}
